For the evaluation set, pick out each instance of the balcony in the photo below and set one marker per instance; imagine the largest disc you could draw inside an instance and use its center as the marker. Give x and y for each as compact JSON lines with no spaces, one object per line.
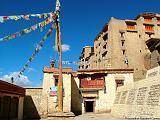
{"x":148,"y":20}
{"x":149,"y":29}
{"x":131,"y":28}
{"x":99,"y":83}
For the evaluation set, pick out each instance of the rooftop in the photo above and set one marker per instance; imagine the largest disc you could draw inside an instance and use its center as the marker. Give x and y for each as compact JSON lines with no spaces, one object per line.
{"x":56,"y":70}
{"x":11,"y":89}
{"x":108,"y":70}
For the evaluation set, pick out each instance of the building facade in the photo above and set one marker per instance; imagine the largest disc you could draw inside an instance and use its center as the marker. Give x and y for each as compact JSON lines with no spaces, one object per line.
{"x":43,"y":102}
{"x":98,"y":87}
{"x":126,"y":44}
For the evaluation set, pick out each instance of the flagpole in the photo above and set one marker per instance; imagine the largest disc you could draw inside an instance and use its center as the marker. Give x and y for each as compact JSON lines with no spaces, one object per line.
{"x":59,"y":47}
{"x":60,"y":99}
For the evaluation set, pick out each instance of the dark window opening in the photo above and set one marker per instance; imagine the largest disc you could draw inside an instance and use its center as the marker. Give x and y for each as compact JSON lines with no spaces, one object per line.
{"x":56,"y":81}
{"x":87,"y":67}
{"x":148,"y":19}
{"x":140,"y":51}
{"x":83,"y":67}
{"x":123,"y":51}
{"x":105,"y":46}
{"x":105,"y":37}
{"x":119,"y":83}
{"x":104,"y":54}
{"x":122,"y":34}
{"x":105,"y":29}
{"x":131,"y":25}
{"x":122,"y":43}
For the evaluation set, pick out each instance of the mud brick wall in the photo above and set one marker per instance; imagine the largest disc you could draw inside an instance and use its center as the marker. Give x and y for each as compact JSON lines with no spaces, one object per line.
{"x":138,"y":100}
{"x":32,"y":103}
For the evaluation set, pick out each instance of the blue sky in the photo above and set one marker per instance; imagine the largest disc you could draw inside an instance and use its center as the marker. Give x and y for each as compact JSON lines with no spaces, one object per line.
{"x":81,"y":21}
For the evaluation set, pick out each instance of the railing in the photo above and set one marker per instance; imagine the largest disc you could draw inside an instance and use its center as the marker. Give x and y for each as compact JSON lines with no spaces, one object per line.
{"x":149,"y":28}
{"x":92,"y":83}
{"x":147,"y":20}
{"x":130,"y":26}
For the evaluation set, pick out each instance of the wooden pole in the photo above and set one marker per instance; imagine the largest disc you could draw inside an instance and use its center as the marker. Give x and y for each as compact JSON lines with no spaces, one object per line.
{"x":60,"y":105}
{"x":59,"y":46}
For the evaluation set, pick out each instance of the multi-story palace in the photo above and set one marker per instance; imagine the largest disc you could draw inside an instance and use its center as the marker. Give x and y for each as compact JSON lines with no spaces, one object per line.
{"x":126,"y":44}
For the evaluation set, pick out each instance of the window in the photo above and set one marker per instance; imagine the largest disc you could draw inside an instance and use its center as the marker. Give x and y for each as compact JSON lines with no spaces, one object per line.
{"x":82,"y":66}
{"x":56,"y":81}
{"x":105,"y":29}
{"x":104,"y":54}
{"x":122,"y":43}
{"x":123,"y":51}
{"x":87,"y":67}
{"x":119,"y":83}
{"x":122,"y":34}
{"x":105,"y":46}
{"x":105,"y":37}
{"x":147,"y":19}
{"x":149,"y":27}
{"x":130,"y":26}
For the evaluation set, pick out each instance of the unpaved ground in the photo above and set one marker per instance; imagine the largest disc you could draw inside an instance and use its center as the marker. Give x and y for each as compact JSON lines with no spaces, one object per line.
{"x":91,"y":116}
{"x":88,"y":116}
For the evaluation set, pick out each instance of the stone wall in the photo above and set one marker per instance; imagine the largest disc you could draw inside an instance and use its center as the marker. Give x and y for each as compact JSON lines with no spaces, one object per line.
{"x":32,"y":103}
{"x":39,"y":104}
{"x":107,"y":96}
{"x":76,"y":97}
{"x":139,"y":100}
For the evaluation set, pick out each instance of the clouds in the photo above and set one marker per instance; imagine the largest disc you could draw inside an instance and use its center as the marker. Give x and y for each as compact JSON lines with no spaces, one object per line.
{"x":22,"y":81}
{"x":65,"y":48}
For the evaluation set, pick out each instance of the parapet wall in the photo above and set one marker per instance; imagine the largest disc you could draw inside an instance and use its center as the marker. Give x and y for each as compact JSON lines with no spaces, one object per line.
{"x":139,"y":100}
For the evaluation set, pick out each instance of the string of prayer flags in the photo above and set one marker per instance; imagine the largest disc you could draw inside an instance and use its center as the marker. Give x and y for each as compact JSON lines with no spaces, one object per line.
{"x":25,"y":17}
{"x":37,"y":50}
{"x":69,"y":62}
{"x":27,"y":30}
{"x":58,"y":5}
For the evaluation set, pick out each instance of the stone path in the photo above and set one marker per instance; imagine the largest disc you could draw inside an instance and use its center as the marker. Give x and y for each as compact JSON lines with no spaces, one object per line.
{"x":91,"y":116}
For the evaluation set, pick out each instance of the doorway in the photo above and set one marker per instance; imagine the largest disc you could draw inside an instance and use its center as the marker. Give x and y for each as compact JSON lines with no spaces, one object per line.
{"x":89,"y":106}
